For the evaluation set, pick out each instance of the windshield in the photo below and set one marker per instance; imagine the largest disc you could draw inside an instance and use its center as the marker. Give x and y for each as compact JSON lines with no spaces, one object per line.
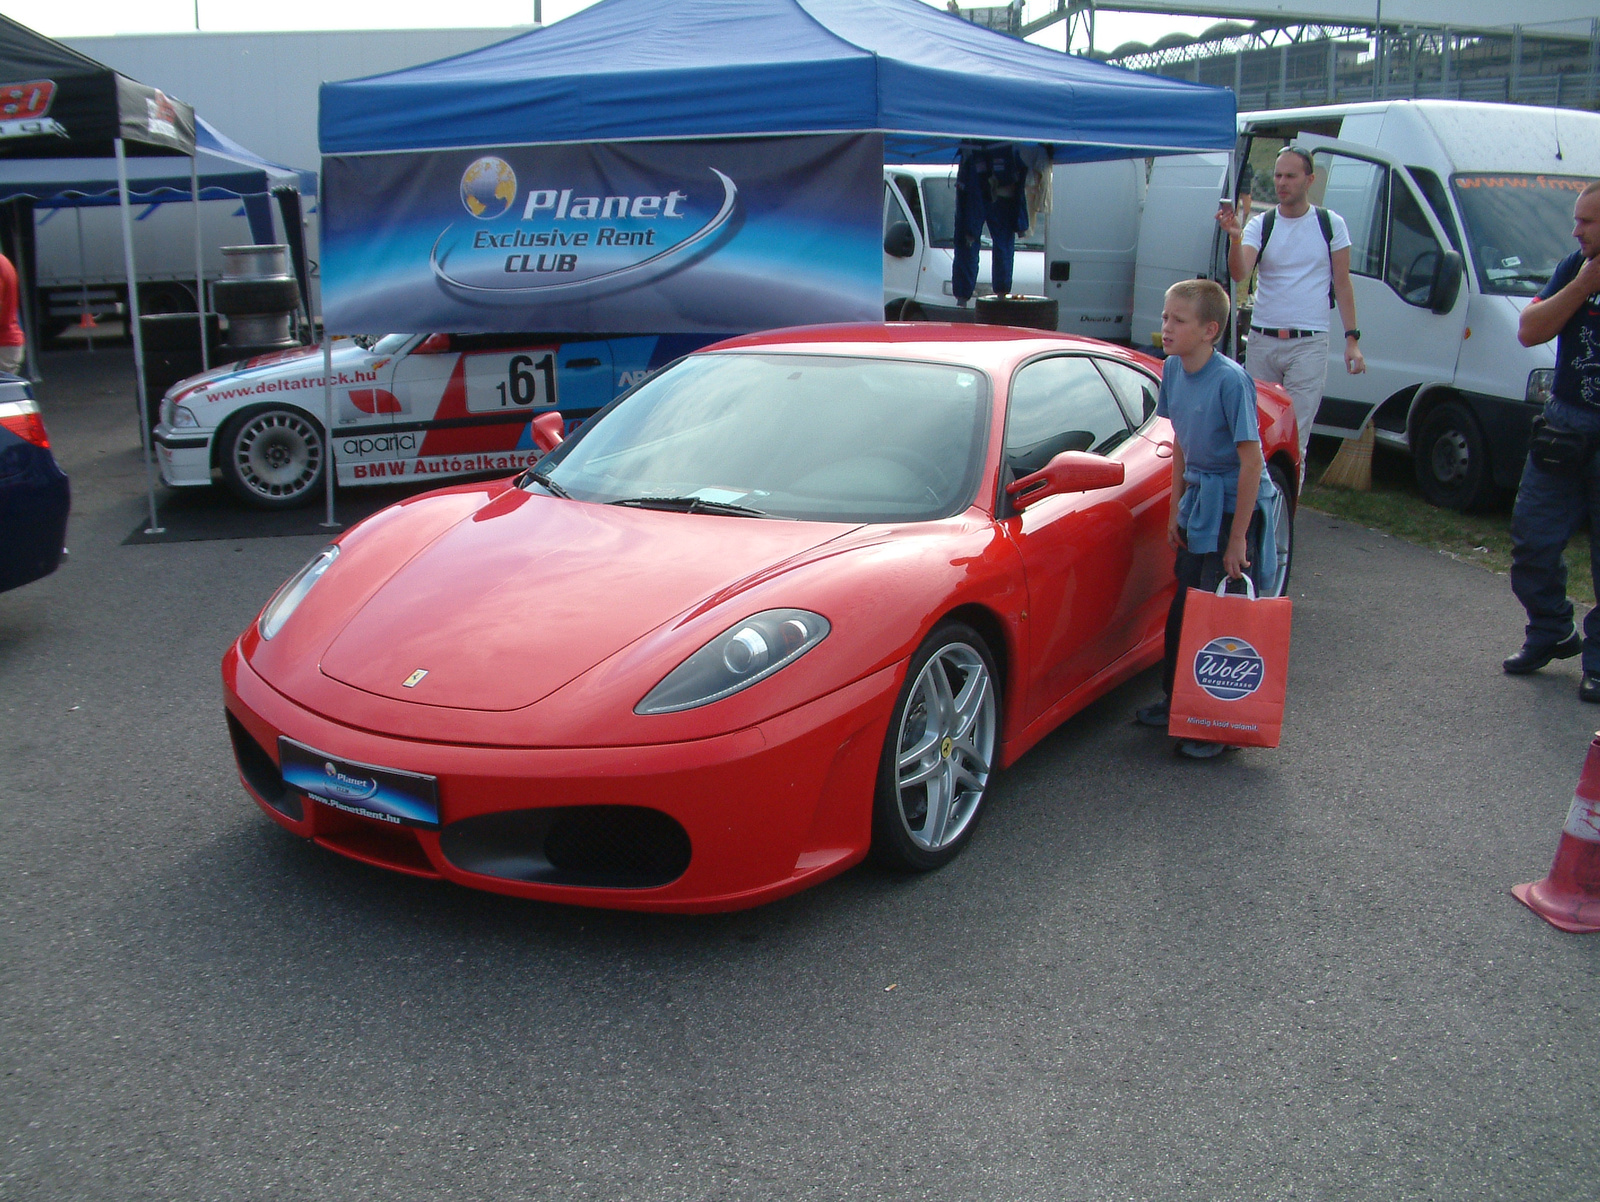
{"x":811,"y":437}
{"x":391,"y":344}
{"x":1518,"y":227}
{"x":939,"y":202}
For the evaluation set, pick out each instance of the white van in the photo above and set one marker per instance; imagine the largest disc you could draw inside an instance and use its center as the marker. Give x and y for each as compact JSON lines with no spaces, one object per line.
{"x":1458,"y":213}
{"x":919,"y":222}
{"x":1085,"y":246}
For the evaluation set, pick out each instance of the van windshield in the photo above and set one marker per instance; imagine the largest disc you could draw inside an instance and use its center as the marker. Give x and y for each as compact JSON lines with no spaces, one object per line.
{"x":1518,"y":227}
{"x":939,"y":202}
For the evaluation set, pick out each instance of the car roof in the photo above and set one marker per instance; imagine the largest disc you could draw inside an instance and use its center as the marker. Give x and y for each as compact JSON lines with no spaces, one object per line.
{"x":991,"y":348}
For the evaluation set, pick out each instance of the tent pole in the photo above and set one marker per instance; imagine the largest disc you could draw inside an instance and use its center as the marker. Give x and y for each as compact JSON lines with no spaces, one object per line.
{"x":84,"y":319}
{"x":327,"y":418}
{"x":1233,"y":305}
{"x":155,"y":526}
{"x":199,"y":263}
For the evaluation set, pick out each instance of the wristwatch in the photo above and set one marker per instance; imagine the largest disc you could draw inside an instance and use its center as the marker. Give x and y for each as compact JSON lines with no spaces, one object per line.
{"x":1356,"y":334}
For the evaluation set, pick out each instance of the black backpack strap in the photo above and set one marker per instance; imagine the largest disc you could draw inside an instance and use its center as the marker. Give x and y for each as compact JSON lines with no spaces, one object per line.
{"x":1326,"y":222}
{"x":1270,"y":216}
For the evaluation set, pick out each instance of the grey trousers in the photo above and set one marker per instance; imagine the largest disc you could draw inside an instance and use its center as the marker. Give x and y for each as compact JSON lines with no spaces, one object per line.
{"x":1300,"y":365}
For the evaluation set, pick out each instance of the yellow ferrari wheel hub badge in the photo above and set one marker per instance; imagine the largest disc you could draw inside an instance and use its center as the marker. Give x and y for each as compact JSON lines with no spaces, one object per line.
{"x":947,"y":747}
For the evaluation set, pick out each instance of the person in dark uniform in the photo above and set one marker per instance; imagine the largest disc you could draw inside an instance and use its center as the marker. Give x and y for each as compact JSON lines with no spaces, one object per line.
{"x":1561,"y":480}
{"x":991,"y":185}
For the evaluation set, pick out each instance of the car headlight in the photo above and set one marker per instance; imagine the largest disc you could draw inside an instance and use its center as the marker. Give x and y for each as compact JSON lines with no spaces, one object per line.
{"x":738,"y":657}
{"x":1539,"y":385}
{"x":181,"y":418}
{"x":287,"y":599}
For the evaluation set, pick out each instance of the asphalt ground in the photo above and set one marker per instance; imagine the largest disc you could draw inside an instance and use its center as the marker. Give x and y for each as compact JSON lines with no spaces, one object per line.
{"x":1286,"y":974}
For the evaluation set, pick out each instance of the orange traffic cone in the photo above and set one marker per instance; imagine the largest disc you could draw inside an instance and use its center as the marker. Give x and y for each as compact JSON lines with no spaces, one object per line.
{"x":86,"y":321}
{"x":1569,"y":897}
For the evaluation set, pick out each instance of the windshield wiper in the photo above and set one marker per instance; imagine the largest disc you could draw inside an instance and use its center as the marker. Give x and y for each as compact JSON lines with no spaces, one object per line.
{"x":692,"y":505}
{"x":549,"y":485}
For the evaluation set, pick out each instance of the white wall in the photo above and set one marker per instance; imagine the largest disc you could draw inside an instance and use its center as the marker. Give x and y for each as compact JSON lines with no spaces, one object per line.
{"x":261,"y":88}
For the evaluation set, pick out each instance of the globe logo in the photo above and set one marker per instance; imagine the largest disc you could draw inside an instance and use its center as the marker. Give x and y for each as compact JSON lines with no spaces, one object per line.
{"x":1229,"y":669}
{"x":488,"y":188}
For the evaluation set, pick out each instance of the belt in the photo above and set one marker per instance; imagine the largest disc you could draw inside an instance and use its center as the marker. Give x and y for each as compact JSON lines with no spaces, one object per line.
{"x":1285,"y":333}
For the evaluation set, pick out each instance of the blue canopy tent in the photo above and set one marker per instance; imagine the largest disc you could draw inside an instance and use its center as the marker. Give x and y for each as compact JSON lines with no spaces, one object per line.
{"x":689,"y":165}
{"x":635,"y":69}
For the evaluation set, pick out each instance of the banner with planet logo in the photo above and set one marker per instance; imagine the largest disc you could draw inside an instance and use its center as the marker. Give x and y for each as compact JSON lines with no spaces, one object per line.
{"x":699,"y":237}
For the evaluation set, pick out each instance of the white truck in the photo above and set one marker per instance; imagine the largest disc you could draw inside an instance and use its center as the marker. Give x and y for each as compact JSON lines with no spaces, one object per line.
{"x":81,"y":266}
{"x":1086,"y":268}
{"x":1458,"y":213}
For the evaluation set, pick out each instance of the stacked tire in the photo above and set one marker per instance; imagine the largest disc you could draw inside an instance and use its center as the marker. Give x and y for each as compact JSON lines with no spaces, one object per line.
{"x":1030,"y":312}
{"x":259,"y":298}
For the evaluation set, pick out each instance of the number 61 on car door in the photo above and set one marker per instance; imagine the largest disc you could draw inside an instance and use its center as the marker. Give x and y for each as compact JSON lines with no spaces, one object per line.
{"x":500,"y":383}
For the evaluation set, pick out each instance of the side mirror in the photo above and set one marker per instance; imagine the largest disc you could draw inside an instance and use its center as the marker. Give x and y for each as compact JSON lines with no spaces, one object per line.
{"x":433,"y":344}
{"x":548,"y":429}
{"x":1070,"y":471}
{"x":899,"y":241}
{"x":1446,"y":283}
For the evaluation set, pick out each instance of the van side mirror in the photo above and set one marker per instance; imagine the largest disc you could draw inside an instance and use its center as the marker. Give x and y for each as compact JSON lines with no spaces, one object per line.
{"x":1070,"y":471}
{"x":899,"y":241}
{"x":1446,"y":284}
{"x":433,"y":344}
{"x":548,"y":431}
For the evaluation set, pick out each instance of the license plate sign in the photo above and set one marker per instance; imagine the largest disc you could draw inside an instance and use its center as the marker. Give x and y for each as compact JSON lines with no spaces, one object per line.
{"x":401,"y":798}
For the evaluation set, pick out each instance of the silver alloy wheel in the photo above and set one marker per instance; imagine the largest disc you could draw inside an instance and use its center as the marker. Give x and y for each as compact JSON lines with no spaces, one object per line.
{"x":945,"y":746}
{"x":277,"y":455}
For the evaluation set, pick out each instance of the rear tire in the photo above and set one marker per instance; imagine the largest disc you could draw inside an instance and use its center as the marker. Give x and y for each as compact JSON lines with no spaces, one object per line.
{"x":273,"y":458}
{"x":1451,"y":458}
{"x":939,"y":753}
{"x":1285,"y":531}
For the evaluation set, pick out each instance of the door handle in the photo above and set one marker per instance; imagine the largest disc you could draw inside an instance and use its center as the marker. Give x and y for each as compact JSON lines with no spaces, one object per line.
{"x":583,"y":363}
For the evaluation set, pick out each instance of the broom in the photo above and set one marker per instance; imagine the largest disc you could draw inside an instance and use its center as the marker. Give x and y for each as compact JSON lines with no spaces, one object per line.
{"x":1352,"y":466}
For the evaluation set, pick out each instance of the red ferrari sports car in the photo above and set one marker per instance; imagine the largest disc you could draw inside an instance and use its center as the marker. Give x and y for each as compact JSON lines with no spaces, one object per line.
{"x":794,"y":599}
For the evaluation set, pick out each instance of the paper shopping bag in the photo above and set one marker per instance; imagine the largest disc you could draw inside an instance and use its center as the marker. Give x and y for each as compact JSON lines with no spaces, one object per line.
{"x":1233,"y":668}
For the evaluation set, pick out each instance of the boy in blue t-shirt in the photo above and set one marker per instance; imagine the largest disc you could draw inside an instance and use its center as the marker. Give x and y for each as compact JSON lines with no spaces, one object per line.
{"x":1217,"y":466}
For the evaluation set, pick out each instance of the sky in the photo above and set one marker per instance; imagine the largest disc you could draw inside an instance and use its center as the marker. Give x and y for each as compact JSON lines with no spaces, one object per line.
{"x":94,"y":18}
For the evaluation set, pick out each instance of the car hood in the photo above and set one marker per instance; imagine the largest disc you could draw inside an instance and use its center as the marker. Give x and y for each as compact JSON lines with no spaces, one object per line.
{"x":507,"y":606}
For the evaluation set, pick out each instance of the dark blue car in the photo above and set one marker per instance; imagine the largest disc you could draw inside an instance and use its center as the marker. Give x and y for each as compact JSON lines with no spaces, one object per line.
{"x":34,"y":494}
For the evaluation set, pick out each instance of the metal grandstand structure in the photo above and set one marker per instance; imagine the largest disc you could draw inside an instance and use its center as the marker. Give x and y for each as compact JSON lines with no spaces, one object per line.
{"x":1271,"y":60}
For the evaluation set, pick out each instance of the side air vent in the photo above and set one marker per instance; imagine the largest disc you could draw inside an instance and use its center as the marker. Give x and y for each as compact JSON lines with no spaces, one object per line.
{"x":261,"y":772}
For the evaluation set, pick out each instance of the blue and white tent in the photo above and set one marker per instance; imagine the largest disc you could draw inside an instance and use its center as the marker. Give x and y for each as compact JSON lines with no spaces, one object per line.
{"x":626,"y":70}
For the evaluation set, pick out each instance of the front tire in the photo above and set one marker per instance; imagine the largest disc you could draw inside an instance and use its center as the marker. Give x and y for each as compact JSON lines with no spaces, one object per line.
{"x":1452,"y":459}
{"x":939,"y":753}
{"x":273,"y":458}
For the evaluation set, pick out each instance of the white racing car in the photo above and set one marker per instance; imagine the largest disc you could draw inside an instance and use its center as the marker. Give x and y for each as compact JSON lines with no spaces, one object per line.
{"x":409,"y":406}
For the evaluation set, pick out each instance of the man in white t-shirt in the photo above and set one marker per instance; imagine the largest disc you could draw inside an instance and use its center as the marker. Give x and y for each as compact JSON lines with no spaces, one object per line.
{"x":1307,"y":260}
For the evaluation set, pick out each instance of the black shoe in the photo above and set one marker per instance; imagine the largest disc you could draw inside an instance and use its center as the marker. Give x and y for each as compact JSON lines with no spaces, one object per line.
{"x":1195,"y":749}
{"x":1589,"y":689}
{"x":1531,"y":658}
{"x":1155,"y":714}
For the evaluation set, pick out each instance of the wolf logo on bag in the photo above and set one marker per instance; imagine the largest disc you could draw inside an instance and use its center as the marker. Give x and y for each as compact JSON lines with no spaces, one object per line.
{"x":1229,"y":669}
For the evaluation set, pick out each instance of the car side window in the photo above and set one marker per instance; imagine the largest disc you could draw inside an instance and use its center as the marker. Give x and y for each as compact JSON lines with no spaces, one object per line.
{"x":1060,"y":404}
{"x":1357,"y":190}
{"x":1413,"y":250}
{"x":1134,"y":389}
{"x":1433,"y":192}
{"x":913,"y":199}
{"x":891,"y":209}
